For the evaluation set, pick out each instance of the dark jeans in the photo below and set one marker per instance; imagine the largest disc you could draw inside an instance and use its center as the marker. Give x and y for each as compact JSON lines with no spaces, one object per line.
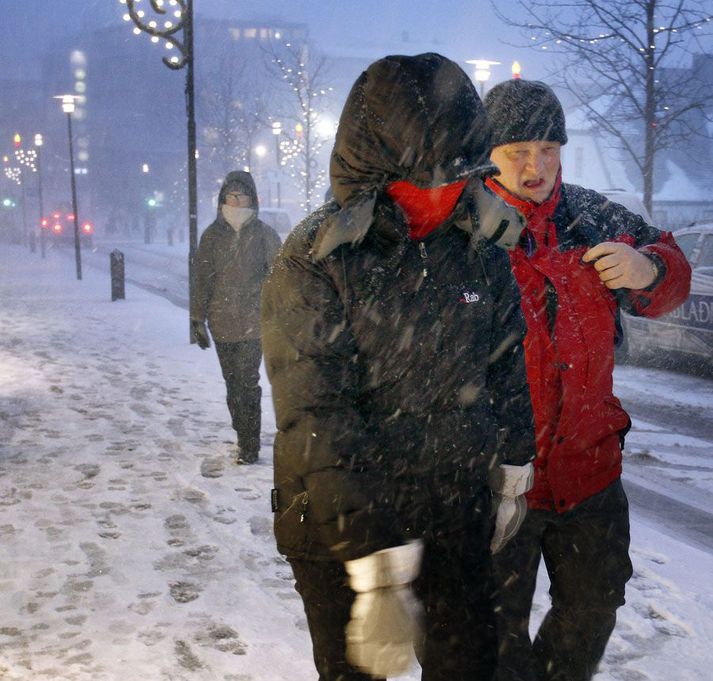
{"x":586,"y":553}
{"x":455,"y":588}
{"x":240,"y":364}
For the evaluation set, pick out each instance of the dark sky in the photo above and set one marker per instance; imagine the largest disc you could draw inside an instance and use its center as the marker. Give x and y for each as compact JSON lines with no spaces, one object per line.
{"x":460,"y":29}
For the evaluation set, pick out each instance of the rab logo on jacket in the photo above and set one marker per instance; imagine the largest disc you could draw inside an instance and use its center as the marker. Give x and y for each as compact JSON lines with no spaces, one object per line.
{"x":469,"y":297}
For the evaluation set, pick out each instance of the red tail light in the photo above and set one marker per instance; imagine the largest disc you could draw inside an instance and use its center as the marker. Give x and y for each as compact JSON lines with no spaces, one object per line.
{"x":88,"y":228}
{"x":57,"y":227}
{"x":44,"y":223}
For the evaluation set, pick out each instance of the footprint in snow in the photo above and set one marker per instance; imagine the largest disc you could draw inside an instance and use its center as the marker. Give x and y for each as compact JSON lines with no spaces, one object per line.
{"x":184,"y":592}
{"x":212,"y":467}
{"x":223,"y":638}
{"x":186,"y":657}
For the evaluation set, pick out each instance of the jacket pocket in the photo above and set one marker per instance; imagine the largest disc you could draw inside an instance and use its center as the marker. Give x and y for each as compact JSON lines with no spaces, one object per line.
{"x":291,"y":523}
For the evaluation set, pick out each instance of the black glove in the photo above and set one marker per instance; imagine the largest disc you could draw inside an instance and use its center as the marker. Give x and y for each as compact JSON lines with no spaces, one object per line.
{"x":200,"y":333}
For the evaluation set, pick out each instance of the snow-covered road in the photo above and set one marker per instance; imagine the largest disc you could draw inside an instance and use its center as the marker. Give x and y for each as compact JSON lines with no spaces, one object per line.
{"x":132,"y":548}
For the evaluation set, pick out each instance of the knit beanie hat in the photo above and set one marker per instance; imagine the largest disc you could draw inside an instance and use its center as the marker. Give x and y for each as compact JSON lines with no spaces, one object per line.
{"x":525,"y":111}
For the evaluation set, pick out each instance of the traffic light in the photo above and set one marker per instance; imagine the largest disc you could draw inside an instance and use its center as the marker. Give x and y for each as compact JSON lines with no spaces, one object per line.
{"x":155,"y":199}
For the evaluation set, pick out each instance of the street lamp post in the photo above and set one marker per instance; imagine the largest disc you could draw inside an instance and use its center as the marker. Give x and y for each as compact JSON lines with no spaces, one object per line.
{"x":13,"y":174}
{"x":482,"y":72}
{"x":258,"y":170}
{"x":277,"y":131}
{"x":30,"y":159}
{"x":181,"y":12}
{"x":68,"y":108}
{"x":27,"y":238}
{"x":39,"y":141}
{"x":22,"y":160}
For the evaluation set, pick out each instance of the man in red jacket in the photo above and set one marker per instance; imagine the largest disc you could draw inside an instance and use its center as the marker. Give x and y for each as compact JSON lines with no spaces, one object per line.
{"x":581,"y":259}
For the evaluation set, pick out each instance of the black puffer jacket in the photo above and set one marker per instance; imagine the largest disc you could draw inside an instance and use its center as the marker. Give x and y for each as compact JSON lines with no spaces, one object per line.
{"x":396,"y":366}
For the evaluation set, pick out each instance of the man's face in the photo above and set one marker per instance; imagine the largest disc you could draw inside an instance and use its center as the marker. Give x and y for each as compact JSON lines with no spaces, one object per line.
{"x":528,"y":169}
{"x":236,"y":196}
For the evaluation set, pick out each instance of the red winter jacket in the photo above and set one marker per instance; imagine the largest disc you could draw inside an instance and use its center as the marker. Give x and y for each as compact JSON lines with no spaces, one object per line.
{"x":572,"y":320}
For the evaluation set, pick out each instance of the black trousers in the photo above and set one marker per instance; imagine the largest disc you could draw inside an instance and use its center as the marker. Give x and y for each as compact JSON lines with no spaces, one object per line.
{"x":586,"y":553}
{"x":240,"y":364}
{"x":455,"y":587}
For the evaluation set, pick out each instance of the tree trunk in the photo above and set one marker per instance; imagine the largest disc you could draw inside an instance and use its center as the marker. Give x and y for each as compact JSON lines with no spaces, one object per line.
{"x":649,"y":109}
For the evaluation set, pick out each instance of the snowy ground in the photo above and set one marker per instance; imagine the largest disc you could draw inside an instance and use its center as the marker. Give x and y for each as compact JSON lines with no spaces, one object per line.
{"x":132,"y":548}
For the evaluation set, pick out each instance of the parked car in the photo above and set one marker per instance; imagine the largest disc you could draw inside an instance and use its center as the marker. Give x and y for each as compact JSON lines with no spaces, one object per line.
{"x":686,"y":332}
{"x":630,"y":201}
{"x":58,"y":228}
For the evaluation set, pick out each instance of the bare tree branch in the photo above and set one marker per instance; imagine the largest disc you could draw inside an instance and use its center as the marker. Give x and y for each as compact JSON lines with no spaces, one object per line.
{"x":306,"y":82}
{"x":233,"y":105}
{"x":627,"y":64}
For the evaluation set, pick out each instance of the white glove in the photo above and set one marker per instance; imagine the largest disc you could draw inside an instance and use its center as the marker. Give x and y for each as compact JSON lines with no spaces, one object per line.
{"x":509,"y":484}
{"x":386,"y":615}
{"x":500,"y":223}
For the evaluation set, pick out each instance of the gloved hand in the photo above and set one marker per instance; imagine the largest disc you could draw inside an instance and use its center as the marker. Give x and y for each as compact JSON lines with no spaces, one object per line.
{"x":201,"y":333}
{"x":509,"y":484}
{"x":386,"y":616}
{"x":500,"y":223}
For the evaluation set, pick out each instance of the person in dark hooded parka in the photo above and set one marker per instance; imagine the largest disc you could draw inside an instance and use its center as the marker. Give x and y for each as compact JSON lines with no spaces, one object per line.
{"x":233,"y":258}
{"x":392,"y":335}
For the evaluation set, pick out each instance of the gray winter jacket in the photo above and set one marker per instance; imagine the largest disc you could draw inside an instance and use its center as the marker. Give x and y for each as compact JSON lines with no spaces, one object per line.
{"x":230,"y":269}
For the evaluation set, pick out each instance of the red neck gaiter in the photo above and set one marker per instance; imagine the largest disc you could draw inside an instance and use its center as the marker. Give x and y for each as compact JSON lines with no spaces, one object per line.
{"x":425,"y":209}
{"x":540,"y":227}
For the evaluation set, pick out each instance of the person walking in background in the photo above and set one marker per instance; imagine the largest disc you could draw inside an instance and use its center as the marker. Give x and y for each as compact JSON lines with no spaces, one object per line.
{"x":393,"y":342}
{"x":579,"y":261}
{"x":233,"y":258}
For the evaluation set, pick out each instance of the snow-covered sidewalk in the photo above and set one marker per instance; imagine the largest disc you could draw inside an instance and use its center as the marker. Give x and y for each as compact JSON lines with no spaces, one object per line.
{"x":132,"y":548}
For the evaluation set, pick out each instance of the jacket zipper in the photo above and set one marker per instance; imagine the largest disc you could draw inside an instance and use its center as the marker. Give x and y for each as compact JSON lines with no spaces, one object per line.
{"x":424,"y":257}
